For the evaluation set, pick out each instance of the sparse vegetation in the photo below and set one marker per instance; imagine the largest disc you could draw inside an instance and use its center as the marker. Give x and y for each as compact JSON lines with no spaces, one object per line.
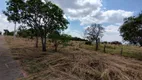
{"x":75,"y":64}
{"x":58,"y":38}
{"x":128,"y":51}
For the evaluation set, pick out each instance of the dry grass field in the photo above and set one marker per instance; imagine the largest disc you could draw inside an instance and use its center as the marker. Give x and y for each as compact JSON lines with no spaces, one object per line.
{"x":75,"y":62}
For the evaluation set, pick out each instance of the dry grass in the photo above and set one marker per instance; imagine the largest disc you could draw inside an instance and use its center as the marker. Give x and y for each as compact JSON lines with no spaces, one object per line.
{"x":73,"y":63}
{"x":128,"y":51}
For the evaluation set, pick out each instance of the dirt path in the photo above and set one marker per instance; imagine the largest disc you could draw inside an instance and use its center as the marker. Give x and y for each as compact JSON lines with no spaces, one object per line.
{"x":9,"y":69}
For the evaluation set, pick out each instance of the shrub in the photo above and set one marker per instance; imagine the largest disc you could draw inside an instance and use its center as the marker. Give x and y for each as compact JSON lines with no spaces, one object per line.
{"x":58,"y":39}
{"x":88,"y":43}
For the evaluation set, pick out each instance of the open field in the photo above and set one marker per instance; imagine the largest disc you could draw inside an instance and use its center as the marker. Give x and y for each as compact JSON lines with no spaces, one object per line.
{"x":128,"y":51}
{"x":76,"y":61}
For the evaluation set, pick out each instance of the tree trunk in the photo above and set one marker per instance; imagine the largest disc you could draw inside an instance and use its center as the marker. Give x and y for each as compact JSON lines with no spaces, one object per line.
{"x":105,"y":48}
{"x":15,"y":30}
{"x":31,"y":37}
{"x":56,"y":46}
{"x":43,"y":40}
{"x":97,"y":45}
{"x":36,"y":44}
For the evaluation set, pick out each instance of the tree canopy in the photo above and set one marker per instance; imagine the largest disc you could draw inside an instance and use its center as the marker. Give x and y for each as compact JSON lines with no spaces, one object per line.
{"x":131,"y":30}
{"x":14,"y":11}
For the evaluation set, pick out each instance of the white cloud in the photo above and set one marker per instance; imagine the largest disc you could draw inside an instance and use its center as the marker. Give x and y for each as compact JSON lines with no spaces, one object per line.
{"x":109,"y":16}
{"x":91,"y":11}
{"x":92,"y":2}
{"x":112,"y":28}
{"x":112,"y":33}
{"x":115,"y":16}
{"x":112,"y":37}
{"x":74,"y":33}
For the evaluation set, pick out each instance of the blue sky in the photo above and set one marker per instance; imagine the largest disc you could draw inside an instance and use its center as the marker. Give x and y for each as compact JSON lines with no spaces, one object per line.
{"x":2,"y":5}
{"x":82,"y":13}
{"x":128,"y":5}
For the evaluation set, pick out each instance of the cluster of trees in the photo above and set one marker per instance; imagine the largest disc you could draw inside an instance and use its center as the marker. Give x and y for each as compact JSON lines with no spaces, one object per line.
{"x":40,"y":18}
{"x":113,"y":42}
{"x":131,"y":30}
{"x":7,"y":32}
{"x":45,"y":20}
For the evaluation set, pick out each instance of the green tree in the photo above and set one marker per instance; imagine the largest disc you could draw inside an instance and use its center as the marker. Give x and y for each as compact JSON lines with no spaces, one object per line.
{"x":43,"y":18}
{"x":52,"y":19}
{"x":94,"y":33}
{"x":13,"y":11}
{"x":131,"y":30}
{"x":32,"y":16}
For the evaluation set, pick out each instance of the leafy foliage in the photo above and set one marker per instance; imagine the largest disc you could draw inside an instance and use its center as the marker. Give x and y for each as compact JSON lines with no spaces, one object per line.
{"x":14,"y":11}
{"x":131,"y":30}
{"x":7,"y":32}
{"x":46,"y":18}
{"x":88,"y":43}
{"x":24,"y":32}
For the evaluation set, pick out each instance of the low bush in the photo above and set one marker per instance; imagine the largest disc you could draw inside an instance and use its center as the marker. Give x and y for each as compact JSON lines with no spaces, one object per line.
{"x":88,"y":43}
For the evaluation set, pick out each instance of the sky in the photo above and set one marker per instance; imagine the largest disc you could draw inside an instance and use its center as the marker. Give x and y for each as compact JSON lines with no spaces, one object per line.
{"x":82,"y":13}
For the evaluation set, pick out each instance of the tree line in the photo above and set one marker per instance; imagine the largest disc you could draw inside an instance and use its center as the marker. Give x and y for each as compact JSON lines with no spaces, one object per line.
{"x":46,"y":20}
